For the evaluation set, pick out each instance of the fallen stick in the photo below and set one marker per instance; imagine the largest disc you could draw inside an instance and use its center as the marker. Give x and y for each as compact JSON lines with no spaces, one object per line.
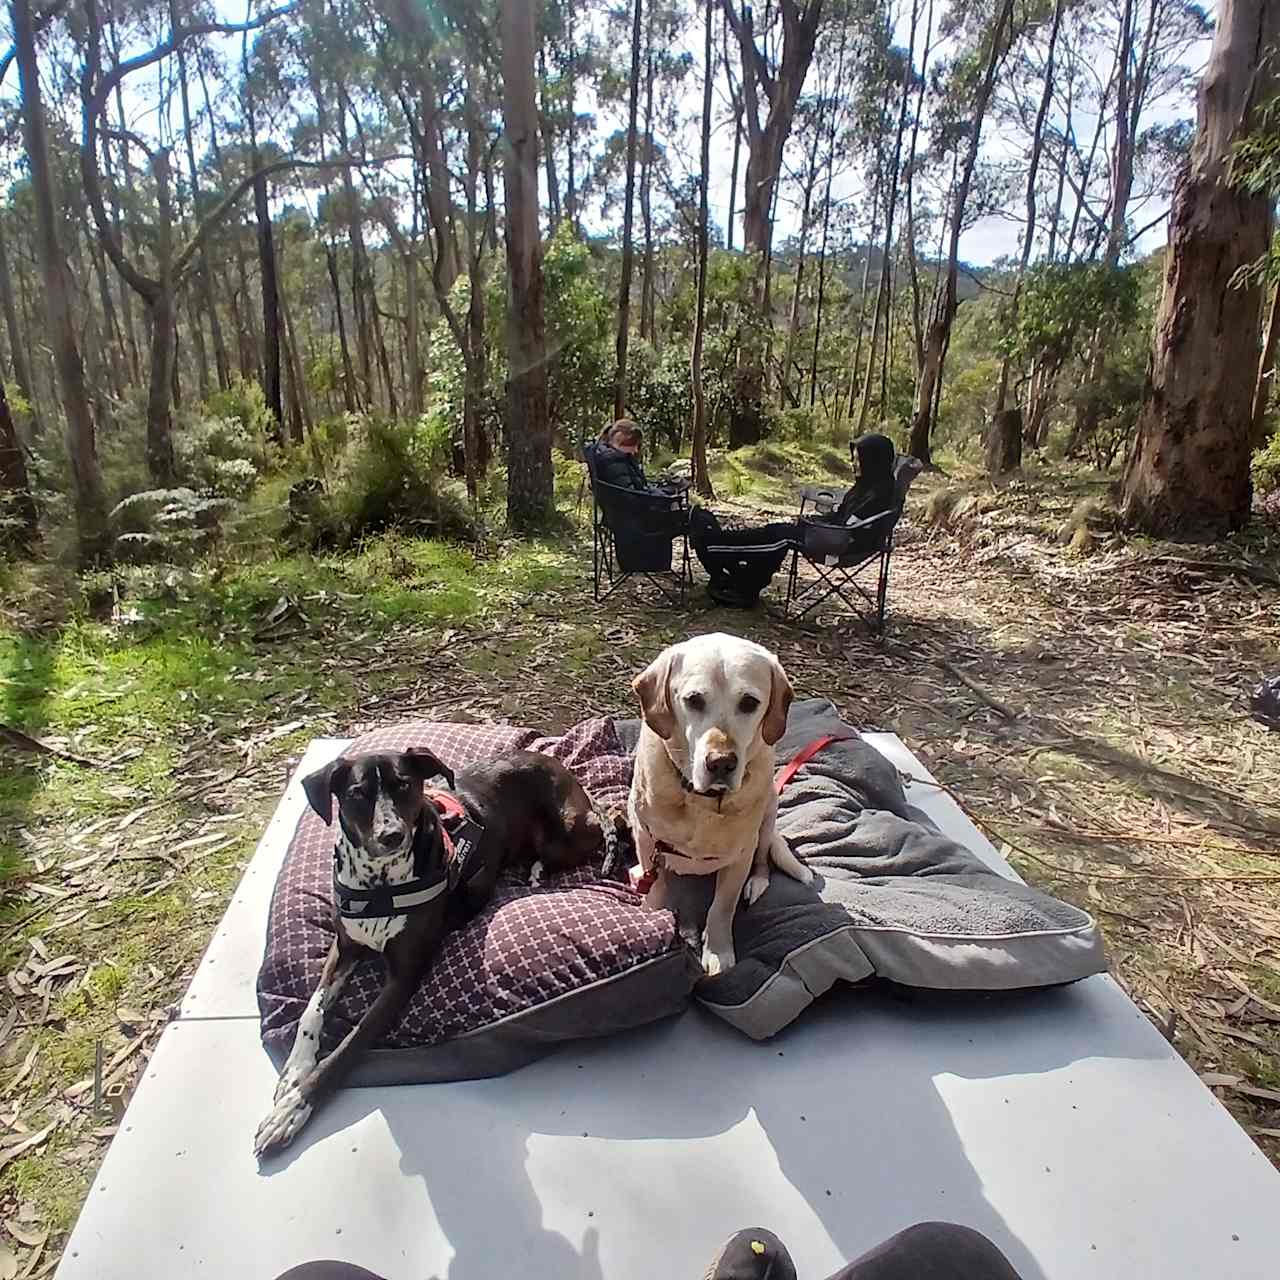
{"x":34,"y":746}
{"x":978,"y":691}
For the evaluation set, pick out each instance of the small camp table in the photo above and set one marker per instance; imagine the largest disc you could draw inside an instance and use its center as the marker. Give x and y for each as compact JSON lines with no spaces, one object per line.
{"x":1060,"y":1124}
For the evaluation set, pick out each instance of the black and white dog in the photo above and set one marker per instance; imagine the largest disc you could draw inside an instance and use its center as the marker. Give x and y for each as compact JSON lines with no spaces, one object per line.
{"x":409,"y":863}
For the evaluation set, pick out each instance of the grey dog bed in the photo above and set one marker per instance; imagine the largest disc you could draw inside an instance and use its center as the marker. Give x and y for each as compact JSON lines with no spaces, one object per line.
{"x":893,"y":899}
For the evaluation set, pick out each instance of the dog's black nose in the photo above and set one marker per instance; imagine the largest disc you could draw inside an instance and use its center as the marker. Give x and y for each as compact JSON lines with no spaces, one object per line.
{"x":721,"y":764}
{"x":389,"y":839}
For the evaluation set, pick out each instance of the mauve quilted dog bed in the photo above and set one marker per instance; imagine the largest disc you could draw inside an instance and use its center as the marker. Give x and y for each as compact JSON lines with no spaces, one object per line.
{"x":578,"y":956}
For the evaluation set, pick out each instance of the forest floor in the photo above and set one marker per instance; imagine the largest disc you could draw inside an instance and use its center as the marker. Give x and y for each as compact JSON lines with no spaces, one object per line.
{"x":1090,"y":711}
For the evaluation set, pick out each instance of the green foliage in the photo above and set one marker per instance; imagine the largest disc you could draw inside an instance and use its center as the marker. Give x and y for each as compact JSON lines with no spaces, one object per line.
{"x":1062,"y":303}
{"x":1266,"y":467}
{"x":384,"y":474}
{"x":580,"y":356}
{"x":167,"y":524}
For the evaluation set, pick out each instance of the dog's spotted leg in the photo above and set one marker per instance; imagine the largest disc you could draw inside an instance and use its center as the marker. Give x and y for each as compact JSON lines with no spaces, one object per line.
{"x":306,"y":1045}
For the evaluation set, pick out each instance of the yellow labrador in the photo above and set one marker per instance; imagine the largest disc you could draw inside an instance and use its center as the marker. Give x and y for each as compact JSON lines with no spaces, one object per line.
{"x":702,"y":798}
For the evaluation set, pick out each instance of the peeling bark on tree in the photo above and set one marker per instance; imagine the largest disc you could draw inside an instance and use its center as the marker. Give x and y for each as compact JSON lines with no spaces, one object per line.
{"x":1189,"y":469}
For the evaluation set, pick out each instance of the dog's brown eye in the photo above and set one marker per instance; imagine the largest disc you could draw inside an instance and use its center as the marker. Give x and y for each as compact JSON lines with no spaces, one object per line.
{"x":694,"y":701}
{"x":747,"y":704}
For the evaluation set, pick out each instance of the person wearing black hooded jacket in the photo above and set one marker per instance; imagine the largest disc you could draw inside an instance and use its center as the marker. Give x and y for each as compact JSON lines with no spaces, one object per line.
{"x":744,"y":560}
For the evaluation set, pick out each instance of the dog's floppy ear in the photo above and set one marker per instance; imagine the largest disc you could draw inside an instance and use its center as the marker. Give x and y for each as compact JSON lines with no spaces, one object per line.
{"x":321,"y":785}
{"x":653,"y":688}
{"x":426,"y":764}
{"x":774,"y":724}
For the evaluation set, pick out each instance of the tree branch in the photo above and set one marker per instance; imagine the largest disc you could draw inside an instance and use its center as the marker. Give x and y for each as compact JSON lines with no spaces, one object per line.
{"x":107,"y":84}
{"x":245,"y":185}
{"x":38,"y":24}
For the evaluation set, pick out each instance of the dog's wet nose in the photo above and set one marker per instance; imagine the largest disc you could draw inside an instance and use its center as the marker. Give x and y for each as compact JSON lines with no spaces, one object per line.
{"x":721,"y":764}
{"x":390,"y":837}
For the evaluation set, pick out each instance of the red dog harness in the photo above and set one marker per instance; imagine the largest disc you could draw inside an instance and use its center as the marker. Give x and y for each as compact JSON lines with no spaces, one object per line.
{"x":460,"y":833}
{"x":643,"y":883}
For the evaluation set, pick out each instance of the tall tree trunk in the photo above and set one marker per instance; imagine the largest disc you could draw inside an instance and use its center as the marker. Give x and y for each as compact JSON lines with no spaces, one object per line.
{"x":1189,"y":468}
{"x":163,"y":317}
{"x":297,"y":377}
{"x":1029,"y":233}
{"x":413,"y":331}
{"x":733,"y":174}
{"x":17,"y":347}
{"x":439,"y":201}
{"x":549,"y":147}
{"x":15,"y":489}
{"x":1128,"y":103}
{"x":628,"y":250}
{"x":350,"y":397}
{"x":937,"y":336}
{"x":117,"y":218}
{"x":113,"y":335}
{"x":766,"y":140}
{"x":646,"y":181}
{"x":571,"y":132}
{"x":1266,"y":373}
{"x":701,"y":475}
{"x":242,"y":317}
{"x":883,"y":295}
{"x":873,"y":239}
{"x":913,"y":268}
{"x":204,"y":275}
{"x":380,"y":347}
{"x":82,"y":448}
{"x":826,"y":216}
{"x":785,"y":393}
{"x":270,"y":298}
{"x":529,"y":478}
{"x":362,"y":299}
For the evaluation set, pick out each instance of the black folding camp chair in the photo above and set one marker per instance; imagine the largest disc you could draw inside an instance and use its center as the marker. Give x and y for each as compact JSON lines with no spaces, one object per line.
{"x":850,"y":561}
{"x":638,"y":533}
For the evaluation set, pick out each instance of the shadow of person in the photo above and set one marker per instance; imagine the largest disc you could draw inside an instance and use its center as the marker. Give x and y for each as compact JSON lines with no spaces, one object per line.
{"x":640,"y":1154}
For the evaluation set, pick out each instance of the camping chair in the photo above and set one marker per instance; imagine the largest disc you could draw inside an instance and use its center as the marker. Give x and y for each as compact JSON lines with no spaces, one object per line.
{"x":846,"y":556}
{"x":634,"y":534}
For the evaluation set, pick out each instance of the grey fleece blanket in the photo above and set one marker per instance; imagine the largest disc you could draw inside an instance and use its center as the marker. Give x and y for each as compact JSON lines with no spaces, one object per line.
{"x":893,"y":897}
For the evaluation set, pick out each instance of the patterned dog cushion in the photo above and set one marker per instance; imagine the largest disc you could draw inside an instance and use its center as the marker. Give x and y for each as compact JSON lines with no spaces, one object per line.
{"x":577,"y":956}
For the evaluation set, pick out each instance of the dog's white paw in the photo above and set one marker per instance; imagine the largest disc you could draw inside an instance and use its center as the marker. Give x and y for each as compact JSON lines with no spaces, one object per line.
{"x":283,"y":1124}
{"x":717,"y":960}
{"x":755,"y":887}
{"x":536,"y":874}
{"x":804,"y":875}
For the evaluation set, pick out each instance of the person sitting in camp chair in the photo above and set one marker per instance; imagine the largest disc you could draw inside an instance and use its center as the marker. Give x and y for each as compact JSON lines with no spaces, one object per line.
{"x":874,"y":490}
{"x":741,"y":562}
{"x":616,"y":459}
{"x":635,"y":523}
